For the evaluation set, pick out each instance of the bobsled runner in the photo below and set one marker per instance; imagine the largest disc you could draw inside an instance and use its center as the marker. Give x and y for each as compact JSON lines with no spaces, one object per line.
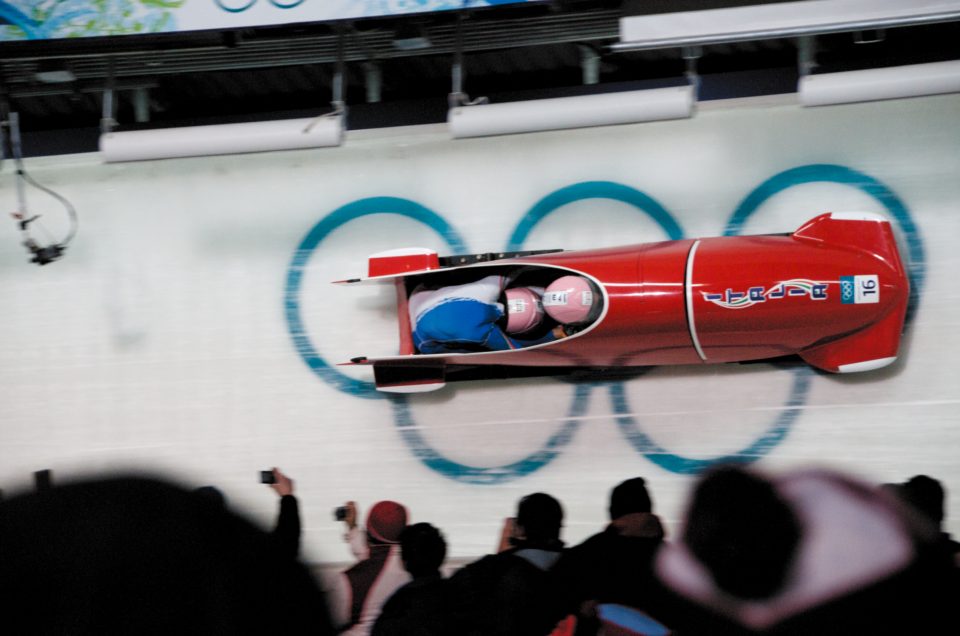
{"x":834,"y":293}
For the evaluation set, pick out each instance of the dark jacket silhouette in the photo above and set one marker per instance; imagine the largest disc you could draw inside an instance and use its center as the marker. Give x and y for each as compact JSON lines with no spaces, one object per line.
{"x":141,"y":556}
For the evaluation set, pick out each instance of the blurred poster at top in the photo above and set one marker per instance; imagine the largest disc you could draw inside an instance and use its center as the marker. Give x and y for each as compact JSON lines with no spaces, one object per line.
{"x":54,"y":19}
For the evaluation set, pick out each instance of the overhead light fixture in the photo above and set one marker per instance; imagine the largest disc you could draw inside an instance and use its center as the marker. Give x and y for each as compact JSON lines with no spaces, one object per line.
{"x":880,"y":83}
{"x":559,"y":113}
{"x":760,"y":21}
{"x":227,"y":139}
{"x":223,"y":139}
{"x":479,"y":118}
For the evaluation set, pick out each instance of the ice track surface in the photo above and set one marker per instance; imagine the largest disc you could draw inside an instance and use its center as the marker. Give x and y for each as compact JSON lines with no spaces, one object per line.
{"x":191,"y":328}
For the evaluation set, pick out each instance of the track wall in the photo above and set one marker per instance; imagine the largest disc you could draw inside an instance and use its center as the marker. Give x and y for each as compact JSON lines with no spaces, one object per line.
{"x":191,"y":328}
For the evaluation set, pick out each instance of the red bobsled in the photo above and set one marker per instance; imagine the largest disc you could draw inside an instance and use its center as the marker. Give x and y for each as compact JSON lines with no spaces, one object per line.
{"x":833,"y":293}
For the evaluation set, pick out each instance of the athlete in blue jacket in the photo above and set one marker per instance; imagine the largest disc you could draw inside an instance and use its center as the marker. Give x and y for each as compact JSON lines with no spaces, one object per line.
{"x":466,"y":318}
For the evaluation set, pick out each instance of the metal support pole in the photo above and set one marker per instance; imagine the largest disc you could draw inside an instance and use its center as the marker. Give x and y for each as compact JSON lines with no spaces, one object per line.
{"x":589,"y":64}
{"x":141,"y":105}
{"x":373,"y":81}
{"x":338,"y":76}
{"x":107,"y":121}
{"x":4,"y":121}
{"x":690,"y":55}
{"x":457,"y":96}
{"x":16,"y":149}
{"x":806,"y":54}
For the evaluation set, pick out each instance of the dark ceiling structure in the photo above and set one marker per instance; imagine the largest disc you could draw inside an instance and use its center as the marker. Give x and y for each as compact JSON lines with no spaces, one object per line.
{"x":399,"y":71}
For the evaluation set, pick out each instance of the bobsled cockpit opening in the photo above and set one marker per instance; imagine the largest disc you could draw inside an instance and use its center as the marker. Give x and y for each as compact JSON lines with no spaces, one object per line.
{"x":498,"y":307}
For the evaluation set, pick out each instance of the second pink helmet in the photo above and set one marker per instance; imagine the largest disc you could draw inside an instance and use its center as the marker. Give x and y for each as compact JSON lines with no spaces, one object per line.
{"x":572,"y":300}
{"x":524,"y":311}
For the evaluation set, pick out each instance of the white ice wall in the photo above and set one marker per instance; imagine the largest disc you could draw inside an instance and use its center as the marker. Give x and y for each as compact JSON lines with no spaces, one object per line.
{"x":163,"y":339}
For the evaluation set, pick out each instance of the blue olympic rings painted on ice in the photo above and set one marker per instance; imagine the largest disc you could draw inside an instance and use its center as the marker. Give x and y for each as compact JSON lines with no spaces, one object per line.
{"x":639,"y":440}
{"x":320,"y":231}
{"x":770,"y":439}
{"x":593,"y":190}
{"x":486,"y":475}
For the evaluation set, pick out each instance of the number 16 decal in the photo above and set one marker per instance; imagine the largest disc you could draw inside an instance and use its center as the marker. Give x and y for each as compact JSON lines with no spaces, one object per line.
{"x":859,"y":289}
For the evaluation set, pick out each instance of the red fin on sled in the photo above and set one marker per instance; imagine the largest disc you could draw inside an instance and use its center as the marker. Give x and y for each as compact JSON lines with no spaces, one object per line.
{"x":860,"y":230}
{"x":401,"y":261}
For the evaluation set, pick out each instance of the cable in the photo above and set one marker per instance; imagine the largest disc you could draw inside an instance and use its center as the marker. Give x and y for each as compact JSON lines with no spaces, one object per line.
{"x":71,"y":211}
{"x":42,"y":254}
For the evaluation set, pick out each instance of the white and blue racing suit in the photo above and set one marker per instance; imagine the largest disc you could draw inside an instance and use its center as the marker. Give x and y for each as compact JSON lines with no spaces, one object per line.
{"x":463,"y":318}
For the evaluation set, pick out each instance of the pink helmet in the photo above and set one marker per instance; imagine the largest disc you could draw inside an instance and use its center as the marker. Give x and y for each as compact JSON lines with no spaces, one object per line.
{"x":524,"y":311}
{"x":571,"y":300}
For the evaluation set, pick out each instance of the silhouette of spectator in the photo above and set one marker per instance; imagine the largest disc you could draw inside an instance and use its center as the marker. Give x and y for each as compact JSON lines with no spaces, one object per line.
{"x":513,"y":592}
{"x":286,"y":533}
{"x":212,"y":495}
{"x":810,"y":552}
{"x":926,"y":495}
{"x":420,"y":607}
{"x":616,"y":565}
{"x":362,"y":589}
{"x":142,"y":556}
